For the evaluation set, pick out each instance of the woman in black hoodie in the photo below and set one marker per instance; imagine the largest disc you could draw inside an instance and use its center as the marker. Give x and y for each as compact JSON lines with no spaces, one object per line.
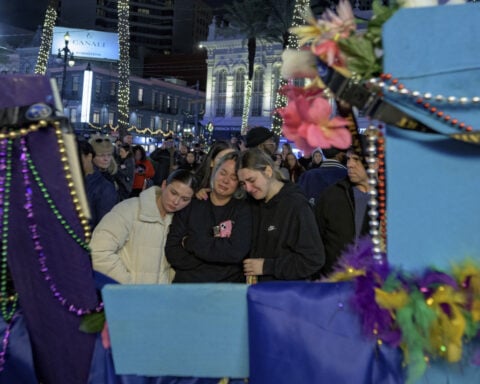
{"x":286,"y":241}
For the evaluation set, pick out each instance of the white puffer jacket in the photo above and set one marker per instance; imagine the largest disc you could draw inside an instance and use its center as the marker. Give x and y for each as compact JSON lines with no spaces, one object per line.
{"x":128,"y":244}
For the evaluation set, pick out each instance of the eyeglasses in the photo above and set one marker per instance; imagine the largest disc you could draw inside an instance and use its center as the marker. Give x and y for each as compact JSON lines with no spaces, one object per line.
{"x":101,"y":140}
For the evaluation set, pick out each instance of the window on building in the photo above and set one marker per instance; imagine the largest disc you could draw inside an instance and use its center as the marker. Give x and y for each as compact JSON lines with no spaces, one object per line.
{"x":73,"y":115}
{"x":169,"y":101}
{"x":161,"y":100}
{"x":139,"y":122}
{"x":140,"y":95}
{"x":113,"y":88}
{"x":168,"y":125}
{"x":96,"y":117}
{"x":160,"y":124}
{"x":59,"y":80}
{"x":152,"y":122}
{"x":111,"y":118}
{"x":221,"y":93}
{"x":75,"y":84}
{"x":257,"y":92}
{"x":238,"y":92}
{"x":98,"y":87}
{"x":154,"y":99}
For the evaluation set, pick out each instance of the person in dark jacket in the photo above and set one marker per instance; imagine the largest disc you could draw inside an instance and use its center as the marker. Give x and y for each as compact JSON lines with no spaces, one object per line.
{"x":341,"y":212}
{"x":286,"y":242}
{"x":209,"y":239}
{"x":101,"y":193}
{"x":316,"y":180}
{"x":126,"y":171}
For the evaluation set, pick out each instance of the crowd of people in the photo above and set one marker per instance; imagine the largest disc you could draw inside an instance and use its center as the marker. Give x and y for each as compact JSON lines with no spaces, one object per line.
{"x":241,"y":212}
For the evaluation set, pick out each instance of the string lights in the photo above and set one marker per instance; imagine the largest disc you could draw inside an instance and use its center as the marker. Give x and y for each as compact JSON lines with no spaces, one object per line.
{"x":47,"y":38}
{"x":124,"y":65}
{"x":246,"y":106}
{"x":299,"y":10}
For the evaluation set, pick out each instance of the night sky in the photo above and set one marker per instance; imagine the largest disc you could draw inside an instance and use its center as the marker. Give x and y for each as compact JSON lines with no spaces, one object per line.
{"x":26,"y":14}
{"x":29,"y":14}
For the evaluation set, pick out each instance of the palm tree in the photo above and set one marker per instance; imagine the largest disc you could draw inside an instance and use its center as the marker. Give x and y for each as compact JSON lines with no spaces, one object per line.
{"x":47,"y":37}
{"x":123,"y":7}
{"x":268,"y":20}
{"x":249,"y":18}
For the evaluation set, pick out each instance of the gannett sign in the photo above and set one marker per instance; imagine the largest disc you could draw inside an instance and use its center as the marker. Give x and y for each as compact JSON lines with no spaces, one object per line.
{"x":87,"y":44}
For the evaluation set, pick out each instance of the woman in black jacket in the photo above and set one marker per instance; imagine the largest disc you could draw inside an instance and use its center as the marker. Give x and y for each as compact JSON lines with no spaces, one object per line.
{"x":286,"y":240}
{"x":210,"y":238}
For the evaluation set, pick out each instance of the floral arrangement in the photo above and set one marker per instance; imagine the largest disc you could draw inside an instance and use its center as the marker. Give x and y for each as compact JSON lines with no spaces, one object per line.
{"x":352,"y":48}
{"x":429,"y":315}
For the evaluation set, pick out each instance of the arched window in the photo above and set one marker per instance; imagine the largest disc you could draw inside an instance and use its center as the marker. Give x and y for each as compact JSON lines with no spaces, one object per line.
{"x":238,"y":92}
{"x":257,"y":92}
{"x":221,"y":92}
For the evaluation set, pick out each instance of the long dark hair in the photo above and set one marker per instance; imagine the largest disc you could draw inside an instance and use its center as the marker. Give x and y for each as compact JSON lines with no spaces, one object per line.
{"x":183,"y":176}
{"x":142,"y":151}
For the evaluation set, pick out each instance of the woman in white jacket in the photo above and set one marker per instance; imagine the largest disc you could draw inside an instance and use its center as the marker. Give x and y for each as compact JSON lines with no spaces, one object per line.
{"x":128,"y":244}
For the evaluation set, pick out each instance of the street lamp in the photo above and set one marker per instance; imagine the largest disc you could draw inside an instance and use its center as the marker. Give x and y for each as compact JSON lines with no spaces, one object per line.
{"x":66,"y":59}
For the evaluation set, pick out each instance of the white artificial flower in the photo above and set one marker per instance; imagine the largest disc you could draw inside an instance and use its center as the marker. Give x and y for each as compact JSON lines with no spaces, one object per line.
{"x":298,"y":64}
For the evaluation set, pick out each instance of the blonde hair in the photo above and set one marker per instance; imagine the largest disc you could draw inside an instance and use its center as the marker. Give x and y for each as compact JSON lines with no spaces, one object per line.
{"x":240,"y":192}
{"x":258,"y":160}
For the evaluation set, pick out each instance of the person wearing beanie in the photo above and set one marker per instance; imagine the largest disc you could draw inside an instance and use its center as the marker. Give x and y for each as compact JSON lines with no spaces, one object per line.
{"x":103,"y":159}
{"x":262,"y":138}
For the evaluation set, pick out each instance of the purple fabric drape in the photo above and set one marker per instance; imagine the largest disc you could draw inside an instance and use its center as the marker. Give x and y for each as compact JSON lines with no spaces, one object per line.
{"x":62,"y":354}
{"x":306,"y":333}
{"x":18,"y":366}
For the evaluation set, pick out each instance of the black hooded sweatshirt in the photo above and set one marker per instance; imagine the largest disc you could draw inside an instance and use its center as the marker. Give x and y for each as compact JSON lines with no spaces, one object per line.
{"x":285,"y":234}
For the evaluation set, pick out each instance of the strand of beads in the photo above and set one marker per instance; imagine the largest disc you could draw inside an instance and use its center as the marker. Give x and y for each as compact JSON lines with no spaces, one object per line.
{"x":51,"y":203}
{"x":382,"y":203}
{"x":6,"y":301}
{"x":5,"y":184}
{"x":23,"y":131}
{"x":68,"y":175}
{"x":427,"y":100}
{"x":5,"y":341}
{"x":42,"y":258}
{"x":371,"y":135}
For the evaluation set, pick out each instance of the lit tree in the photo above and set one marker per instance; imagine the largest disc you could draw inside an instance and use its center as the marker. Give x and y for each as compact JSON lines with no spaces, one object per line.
{"x":47,"y":37}
{"x":124,"y":66}
{"x":282,"y":18}
{"x":249,"y":18}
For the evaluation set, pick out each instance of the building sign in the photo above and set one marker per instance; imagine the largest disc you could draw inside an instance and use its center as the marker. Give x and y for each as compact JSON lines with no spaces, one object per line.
{"x":87,"y":44}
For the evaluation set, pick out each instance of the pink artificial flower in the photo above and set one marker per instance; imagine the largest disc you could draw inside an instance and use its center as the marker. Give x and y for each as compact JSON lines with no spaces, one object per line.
{"x":330,"y":52}
{"x":342,"y":23}
{"x":306,"y":121}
